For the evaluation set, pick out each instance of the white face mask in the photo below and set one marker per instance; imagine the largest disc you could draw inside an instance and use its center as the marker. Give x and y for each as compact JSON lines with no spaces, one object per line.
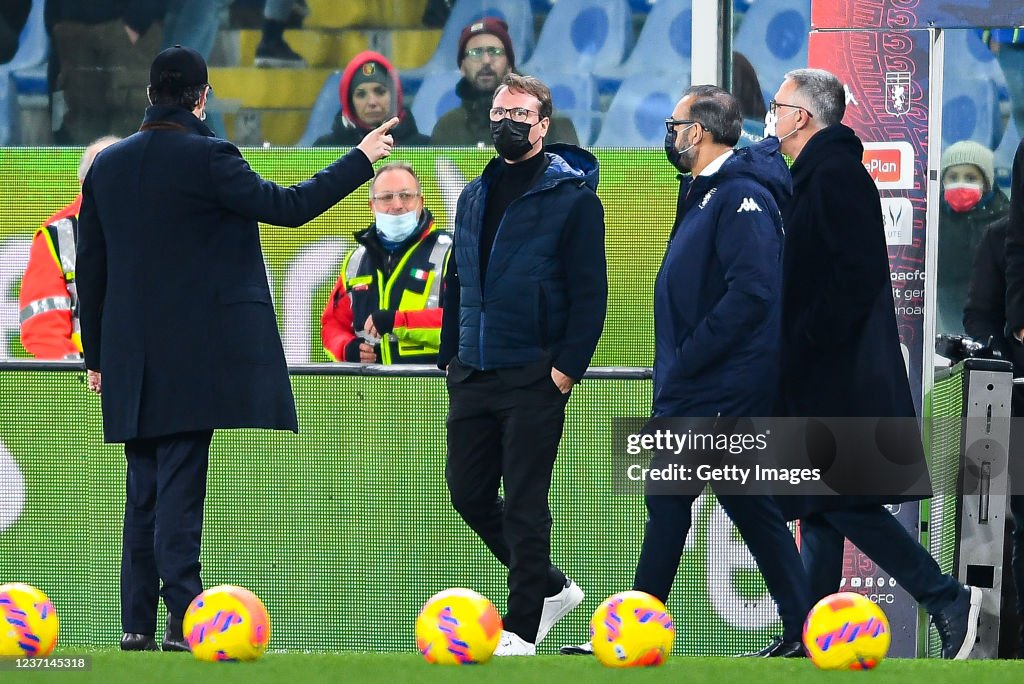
{"x":396,"y":227}
{"x":771,"y":121}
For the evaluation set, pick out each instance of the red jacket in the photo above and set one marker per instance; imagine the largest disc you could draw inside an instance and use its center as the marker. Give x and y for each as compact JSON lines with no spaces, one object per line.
{"x":49,"y":326}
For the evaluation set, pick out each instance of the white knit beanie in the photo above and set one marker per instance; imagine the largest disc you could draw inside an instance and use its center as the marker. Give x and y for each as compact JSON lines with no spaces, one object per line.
{"x":970,"y":152}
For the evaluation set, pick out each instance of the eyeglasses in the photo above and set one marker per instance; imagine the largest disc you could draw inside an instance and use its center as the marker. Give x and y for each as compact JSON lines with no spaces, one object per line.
{"x":479,"y":52}
{"x":670,"y":124}
{"x":404,"y":196}
{"x":773,"y":107}
{"x":517,"y":114}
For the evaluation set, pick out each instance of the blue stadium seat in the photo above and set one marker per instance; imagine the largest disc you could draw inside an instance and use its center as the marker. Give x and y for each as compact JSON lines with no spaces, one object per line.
{"x":33,"y":50}
{"x":637,"y":113}
{"x":573,"y":96}
{"x":662,"y":47}
{"x":436,"y":96}
{"x":325,"y":108}
{"x":970,"y":109}
{"x":975,"y":96}
{"x":773,"y":36}
{"x":516,"y":13}
{"x":583,"y":36}
{"x":1004,"y":154}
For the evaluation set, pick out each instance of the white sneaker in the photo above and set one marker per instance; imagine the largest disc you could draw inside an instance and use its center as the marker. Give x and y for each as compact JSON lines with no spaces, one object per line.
{"x":511,"y":644}
{"x":557,"y":607}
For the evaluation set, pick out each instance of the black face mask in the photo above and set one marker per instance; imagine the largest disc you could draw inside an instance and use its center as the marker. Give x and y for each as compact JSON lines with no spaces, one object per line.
{"x":674,"y":156}
{"x":511,"y":138}
{"x":672,"y":153}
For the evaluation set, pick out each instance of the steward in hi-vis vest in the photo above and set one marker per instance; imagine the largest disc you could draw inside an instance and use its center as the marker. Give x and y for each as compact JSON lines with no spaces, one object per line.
{"x":386,"y":306}
{"x":48,"y":299}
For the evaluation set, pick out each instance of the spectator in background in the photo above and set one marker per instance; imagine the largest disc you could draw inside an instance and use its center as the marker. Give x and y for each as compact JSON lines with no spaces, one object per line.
{"x":985,"y":321}
{"x":13,"y":14}
{"x":370,"y":93}
{"x":48,"y":297}
{"x":104,"y":48}
{"x":273,"y":52}
{"x":195,"y":23}
{"x":971,"y":201}
{"x":485,"y":55}
{"x":1008,"y":46}
{"x":747,"y":88}
{"x":390,"y":284}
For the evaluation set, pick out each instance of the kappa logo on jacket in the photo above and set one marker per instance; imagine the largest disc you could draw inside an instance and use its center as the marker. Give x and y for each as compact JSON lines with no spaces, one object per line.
{"x":748,"y":204}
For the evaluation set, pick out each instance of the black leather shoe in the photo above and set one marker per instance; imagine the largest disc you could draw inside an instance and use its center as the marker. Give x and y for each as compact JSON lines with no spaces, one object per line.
{"x":778,"y":649}
{"x":583,"y":649}
{"x":174,"y":638}
{"x":138,"y":642}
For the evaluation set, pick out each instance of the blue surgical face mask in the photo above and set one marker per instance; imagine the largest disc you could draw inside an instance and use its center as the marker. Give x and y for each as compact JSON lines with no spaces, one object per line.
{"x":396,"y":227}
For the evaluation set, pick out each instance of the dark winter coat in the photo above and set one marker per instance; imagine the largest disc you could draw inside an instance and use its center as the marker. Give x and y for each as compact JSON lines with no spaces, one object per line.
{"x":841,"y":353}
{"x":176,"y":311}
{"x":545,"y":291}
{"x":959,"y":236}
{"x":716,"y":297}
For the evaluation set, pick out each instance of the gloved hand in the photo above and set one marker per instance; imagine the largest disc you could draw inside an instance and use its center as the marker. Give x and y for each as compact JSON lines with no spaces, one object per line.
{"x":361,"y":351}
{"x":380,"y":323}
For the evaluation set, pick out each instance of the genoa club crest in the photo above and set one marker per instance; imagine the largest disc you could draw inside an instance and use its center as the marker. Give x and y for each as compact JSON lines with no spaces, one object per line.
{"x":897,"y":92}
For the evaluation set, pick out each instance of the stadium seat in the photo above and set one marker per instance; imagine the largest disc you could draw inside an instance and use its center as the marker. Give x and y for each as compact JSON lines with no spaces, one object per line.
{"x":435,"y":98}
{"x":637,"y":113}
{"x":573,"y":96}
{"x":325,"y":108}
{"x":773,"y":36}
{"x":1004,"y":154}
{"x":974,"y":92}
{"x":970,"y":109}
{"x":662,"y":47}
{"x":516,"y":13}
{"x":583,"y":36}
{"x":33,"y":50}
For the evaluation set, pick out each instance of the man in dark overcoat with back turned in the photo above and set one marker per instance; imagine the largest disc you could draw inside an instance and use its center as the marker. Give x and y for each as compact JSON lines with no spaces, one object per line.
{"x":178,"y":327}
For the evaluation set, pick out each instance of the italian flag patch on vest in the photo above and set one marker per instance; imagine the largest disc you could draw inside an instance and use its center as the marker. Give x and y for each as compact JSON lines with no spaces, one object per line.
{"x":419,"y":274}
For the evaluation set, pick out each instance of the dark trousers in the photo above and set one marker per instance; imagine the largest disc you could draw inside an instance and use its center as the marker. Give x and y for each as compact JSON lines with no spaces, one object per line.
{"x":501,"y":430}
{"x":885,"y":541}
{"x":1017,"y":511}
{"x":163,"y":524}
{"x":764,"y":531}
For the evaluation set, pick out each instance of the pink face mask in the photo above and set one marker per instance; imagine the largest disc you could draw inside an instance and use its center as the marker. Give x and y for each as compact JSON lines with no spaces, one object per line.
{"x":962,"y":197}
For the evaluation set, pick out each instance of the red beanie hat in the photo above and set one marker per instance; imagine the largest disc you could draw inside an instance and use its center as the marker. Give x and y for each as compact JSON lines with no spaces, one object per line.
{"x":494,"y":26}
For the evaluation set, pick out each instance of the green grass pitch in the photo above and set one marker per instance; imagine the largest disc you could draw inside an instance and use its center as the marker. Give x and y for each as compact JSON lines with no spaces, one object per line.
{"x":112,"y":666}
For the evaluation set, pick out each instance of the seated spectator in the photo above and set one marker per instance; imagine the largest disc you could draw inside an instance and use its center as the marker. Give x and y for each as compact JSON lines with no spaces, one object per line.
{"x":13,"y":14}
{"x":48,"y":299}
{"x":387,"y":304}
{"x":485,"y":55}
{"x":370,"y":94}
{"x":970,"y":203}
{"x":273,"y":52}
{"x":103,"y":51}
{"x":747,"y":88}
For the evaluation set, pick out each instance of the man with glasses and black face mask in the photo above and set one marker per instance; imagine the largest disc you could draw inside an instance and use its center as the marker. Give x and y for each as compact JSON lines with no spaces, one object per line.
{"x":386,"y":305}
{"x":485,"y":55}
{"x":841,"y":352}
{"x":716,"y":328}
{"x":526,"y":294}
